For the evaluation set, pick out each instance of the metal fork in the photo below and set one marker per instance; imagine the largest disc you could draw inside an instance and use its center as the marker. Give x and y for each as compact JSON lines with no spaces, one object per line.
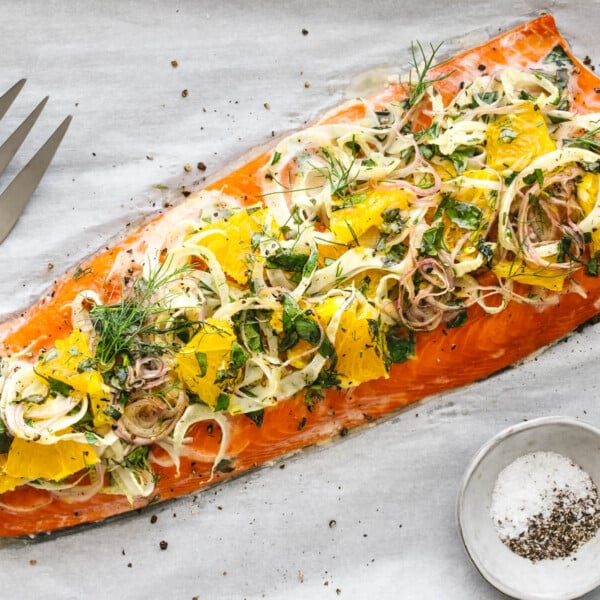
{"x":15,"y":197}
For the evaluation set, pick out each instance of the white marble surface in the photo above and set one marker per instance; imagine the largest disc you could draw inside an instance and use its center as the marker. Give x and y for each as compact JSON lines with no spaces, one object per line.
{"x":390,"y":489}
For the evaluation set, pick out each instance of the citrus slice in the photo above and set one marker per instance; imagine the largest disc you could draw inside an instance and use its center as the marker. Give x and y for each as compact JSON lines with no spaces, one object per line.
{"x":514,"y":140}
{"x":235,"y":247}
{"x":358,"y":344}
{"x":71,"y":362}
{"x":353,"y":220}
{"x":7,"y":482}
{"x":203,"y":358}
{"x":31,"y":460}
{"x":546,"y":277}
{"x":587,"y":195}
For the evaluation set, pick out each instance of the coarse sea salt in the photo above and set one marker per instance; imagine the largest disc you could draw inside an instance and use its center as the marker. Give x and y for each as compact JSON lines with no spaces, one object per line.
{"x":531,"y":486}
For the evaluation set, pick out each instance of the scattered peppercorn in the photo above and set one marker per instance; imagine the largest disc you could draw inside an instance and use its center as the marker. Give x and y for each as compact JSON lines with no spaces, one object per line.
{"x":50,"y":266}
{"x":201,"y":166}
{"x":174,"y":64}
{"x":307,"y":84}
{"x":163,"y":545}
{"x":184,"y":93}
{"x":267,"y":105}
{"x":332,"y":523}
{"x":571,"y":524}
{"x":33,"y":562}
{"x":153,"y":519}
{"x":304,"y":31}
{"x":481,"y":67}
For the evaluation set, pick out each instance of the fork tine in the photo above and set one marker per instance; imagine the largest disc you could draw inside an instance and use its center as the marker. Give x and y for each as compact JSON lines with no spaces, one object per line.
{"x":17,"y":194}
{"x":7,"y":99}
{"x":13,"y":143}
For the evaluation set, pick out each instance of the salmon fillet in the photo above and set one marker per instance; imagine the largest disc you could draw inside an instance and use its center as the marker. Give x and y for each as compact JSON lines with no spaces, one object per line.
{"x":445,"y":357}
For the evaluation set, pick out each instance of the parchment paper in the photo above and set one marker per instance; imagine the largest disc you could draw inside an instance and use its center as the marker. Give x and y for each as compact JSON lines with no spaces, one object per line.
{"x":370,"y":516}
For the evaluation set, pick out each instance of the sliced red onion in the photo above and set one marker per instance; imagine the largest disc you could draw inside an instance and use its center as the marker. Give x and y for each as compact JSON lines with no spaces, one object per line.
{"x":151,"y":417}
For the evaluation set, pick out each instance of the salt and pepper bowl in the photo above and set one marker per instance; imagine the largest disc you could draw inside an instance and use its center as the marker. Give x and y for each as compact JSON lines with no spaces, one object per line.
{"x":558,"y":579}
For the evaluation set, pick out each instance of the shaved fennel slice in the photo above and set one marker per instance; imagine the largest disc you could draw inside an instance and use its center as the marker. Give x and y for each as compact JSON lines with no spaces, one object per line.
{"x":196,"y":413}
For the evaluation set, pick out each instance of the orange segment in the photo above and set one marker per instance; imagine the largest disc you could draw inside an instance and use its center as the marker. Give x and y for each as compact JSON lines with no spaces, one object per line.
{"x":546,"y":277}
{"x":207,"y":353}
{"x":72,"y":363}
{"x":353,"y":221}
{"x":235,"y":247}
{"x":359,"y":352}
{"x":300,"y":355}
{"x":30,"y":460}
{"x":587,"y":195}
{"x":7,"y":482}
{"x":514,"y":140}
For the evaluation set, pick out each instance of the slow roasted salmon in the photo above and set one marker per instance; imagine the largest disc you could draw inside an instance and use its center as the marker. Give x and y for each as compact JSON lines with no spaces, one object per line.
{"x":408,"y":243}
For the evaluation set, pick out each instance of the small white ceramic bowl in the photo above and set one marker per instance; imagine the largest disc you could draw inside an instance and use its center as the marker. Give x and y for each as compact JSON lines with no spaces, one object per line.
{"x":559,"y":579}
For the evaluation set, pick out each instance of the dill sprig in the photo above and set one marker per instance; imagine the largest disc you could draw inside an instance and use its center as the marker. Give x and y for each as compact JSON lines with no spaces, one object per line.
{"x":421,"y":66}
{"x":339,"y":175}
{"x":122,"y":326}
{"x":588,"y":141}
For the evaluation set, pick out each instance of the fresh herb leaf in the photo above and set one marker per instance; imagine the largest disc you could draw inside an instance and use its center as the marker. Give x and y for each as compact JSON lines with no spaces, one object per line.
{"x":138,"y":458}
{"x":122,"y":328}
{"x":488,"y":97}
{"x":327,"y":379}
{"x":257,"y":416}
{"x":287,"y":261}
{"x":5,"y":439}
{"x":113,"y":413}
{"x":90,"y":437}
{"x":307,"y":329}
{"x":400,"y":345}
{"x":255,"y":240}
{"x":224,"y":466}
{"x":56,"y":386}
{"x":460,"y":158}
{"x":486,"y":250}
{"x":507,"y":135}
{"x":297,"y":325}
{"x":588,"y":141}
{"x":537,"y":175}
{"x":465,"y":215}
{"x":339,"y":175}
{"x":202,"y":361}
{"x":458,"y":320}
{"x":433,"y":240}
{"x":86,"y":365}
{"x":251,"y":333}
{"x":395,"y":254}
{"x":557,"y":55}
{"x":276,"y":158}
{"x":81,"y":273}
{"x":421,"y":64}
{"x":289,"y":340}
{"x":222,"y":402}
{"x":510,"y":178}
{"x":239,"y":356}
{"x":564,"y":252}
{"x":290,"y":311}
{"x":348,"y":201}
{"x":311,"y":264}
